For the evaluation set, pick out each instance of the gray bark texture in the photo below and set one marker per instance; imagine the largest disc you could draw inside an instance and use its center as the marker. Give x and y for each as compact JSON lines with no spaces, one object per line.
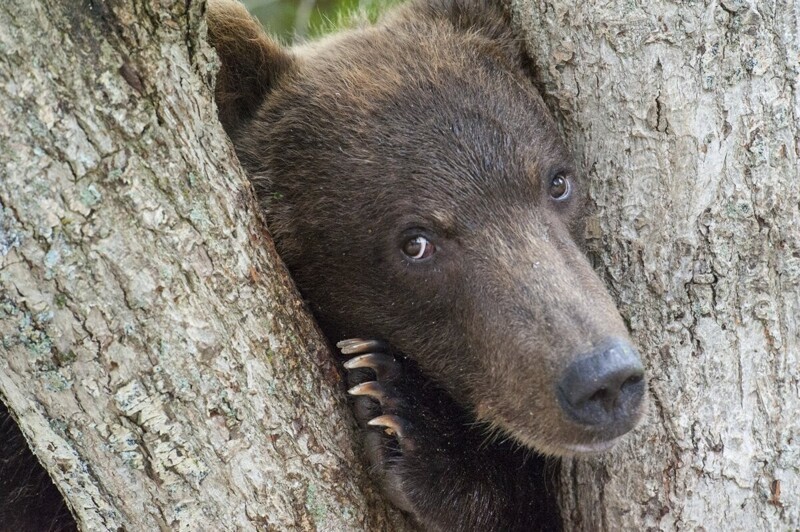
{"x":154,"y":352}
{"x":685,"y":120}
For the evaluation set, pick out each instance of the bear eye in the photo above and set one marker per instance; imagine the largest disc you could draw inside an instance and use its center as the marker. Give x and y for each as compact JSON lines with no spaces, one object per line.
{"x":418,"y":248}
{"x":560,"y":187}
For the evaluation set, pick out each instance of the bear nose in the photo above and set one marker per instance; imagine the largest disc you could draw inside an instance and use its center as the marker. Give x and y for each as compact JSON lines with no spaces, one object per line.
{"x":604,"y":386}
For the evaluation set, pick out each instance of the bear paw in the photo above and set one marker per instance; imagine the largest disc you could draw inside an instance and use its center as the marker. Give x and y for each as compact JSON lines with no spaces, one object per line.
{"x":416,"y":434}
{"x":431,"y":456}
{"x":381,"y":403}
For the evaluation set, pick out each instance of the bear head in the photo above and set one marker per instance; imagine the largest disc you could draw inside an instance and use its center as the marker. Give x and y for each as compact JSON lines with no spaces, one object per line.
{"x":418,"y":190}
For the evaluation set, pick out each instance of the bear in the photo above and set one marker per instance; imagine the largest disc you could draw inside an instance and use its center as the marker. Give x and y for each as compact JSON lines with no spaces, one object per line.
{"x":418,"y":190}
{"x":29,"y":501}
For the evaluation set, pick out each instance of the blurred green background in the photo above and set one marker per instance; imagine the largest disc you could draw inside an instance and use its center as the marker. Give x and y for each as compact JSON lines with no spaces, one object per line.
{"x":296,"y":20}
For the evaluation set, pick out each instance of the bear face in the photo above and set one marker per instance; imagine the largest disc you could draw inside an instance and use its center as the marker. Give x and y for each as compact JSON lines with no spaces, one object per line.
{"x":419,"y":127}
{"x":419,"y":193}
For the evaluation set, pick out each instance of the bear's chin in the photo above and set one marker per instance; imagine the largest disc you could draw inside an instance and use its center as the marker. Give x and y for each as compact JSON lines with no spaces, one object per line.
{"x":580,"y":449}
{"x":570,"y":450}
{"x":556,"y":447}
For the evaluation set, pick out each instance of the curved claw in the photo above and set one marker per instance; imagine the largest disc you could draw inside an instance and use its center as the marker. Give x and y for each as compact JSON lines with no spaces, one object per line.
{"x":383,"y":365}
{"x":370,"y":389}
{"x":392,"y":424}
{"x":357,"y":346}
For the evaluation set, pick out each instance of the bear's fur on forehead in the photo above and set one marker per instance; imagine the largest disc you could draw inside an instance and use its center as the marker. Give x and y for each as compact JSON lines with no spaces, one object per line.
{"x":421,"y":39}
{"x":409,"y":105}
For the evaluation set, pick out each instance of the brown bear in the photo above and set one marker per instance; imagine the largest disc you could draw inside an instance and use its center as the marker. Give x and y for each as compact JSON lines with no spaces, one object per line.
{"x":417,"y":189}
{"x":29,"y":501}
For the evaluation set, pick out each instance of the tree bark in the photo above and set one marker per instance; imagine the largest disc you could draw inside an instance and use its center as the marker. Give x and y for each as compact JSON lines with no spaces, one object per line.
{"x":155,"y":354}
{"x":685,"y":118}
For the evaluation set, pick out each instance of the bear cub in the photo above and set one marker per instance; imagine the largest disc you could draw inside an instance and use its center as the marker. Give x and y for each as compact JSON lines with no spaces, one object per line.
{"x":417,"y":189}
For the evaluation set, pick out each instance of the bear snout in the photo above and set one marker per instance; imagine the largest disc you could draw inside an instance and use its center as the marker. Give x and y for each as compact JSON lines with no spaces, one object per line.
{"x":603,"y":389}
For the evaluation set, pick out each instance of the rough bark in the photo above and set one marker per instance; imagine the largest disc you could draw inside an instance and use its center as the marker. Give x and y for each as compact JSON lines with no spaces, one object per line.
{"x":155,"y":354}
{"x":685,"y":118}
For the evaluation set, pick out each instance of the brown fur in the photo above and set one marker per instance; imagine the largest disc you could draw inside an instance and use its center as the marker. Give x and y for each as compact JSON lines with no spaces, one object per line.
{"x":426,"y":120}
{"x":252,"y":63}
{"x":359,"y":86}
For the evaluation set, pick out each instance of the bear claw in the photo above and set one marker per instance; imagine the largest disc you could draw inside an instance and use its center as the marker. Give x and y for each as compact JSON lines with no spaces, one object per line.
{"x":381,"y":404}
{"x":384,"y":366}
{"x":393,"y":425}
{"x":356,"y":346}
{"x":370,"y":389}
{"x":382,"y":389}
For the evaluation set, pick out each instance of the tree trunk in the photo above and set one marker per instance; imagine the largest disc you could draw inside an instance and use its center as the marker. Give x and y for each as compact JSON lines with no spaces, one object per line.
{"x":155,"y":354}
{"x":685,"y":118}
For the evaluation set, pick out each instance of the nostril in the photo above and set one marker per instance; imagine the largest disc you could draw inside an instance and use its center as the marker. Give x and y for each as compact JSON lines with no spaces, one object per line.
{"x":633,"y":380}
{"x":606,"y":385}
{"x":600,"y":395}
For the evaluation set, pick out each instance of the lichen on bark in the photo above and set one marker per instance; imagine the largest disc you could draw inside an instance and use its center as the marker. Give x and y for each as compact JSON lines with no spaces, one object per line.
{"x":156,"y":355}
{"x":685,"y":118}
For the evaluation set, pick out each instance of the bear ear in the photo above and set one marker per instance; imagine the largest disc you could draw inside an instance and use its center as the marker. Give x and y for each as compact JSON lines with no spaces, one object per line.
{"x":489,"y":18}
{"x":251,"y":62}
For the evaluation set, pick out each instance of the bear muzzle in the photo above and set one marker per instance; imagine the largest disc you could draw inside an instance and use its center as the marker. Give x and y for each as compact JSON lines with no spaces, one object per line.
{"x":603,"y":390}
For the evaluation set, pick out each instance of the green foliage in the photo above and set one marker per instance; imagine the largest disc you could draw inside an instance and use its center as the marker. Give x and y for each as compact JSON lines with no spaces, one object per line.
{"x":297,"y":20}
